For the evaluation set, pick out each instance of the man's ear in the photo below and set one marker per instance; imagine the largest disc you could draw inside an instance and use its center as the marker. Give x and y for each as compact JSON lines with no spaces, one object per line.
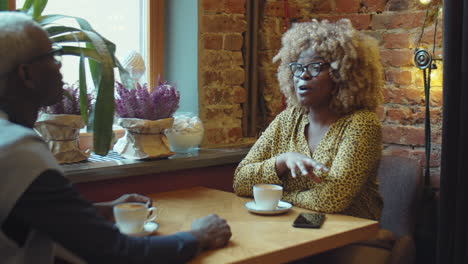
{"x":24,"y":75}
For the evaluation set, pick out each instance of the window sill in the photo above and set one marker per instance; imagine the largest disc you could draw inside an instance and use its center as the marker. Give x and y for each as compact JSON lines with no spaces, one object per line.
{"x":86,"y":139}
{"x":205,"y":157}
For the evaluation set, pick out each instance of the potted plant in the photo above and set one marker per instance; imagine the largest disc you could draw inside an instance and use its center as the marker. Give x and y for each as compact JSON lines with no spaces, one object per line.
{"x":94,"y":51}
{"x":59,"y":125}
{"x":145,"y":114}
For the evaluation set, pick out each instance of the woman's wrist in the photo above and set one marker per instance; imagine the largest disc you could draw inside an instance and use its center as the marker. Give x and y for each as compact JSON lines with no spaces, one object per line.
{"x":280,"y":164}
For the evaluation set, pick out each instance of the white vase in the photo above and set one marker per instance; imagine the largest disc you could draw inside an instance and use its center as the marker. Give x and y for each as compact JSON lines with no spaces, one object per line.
{"x":144,"y":139}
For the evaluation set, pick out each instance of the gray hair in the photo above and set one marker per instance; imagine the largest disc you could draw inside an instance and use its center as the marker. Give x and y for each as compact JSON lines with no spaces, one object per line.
{"x":16,"y":44}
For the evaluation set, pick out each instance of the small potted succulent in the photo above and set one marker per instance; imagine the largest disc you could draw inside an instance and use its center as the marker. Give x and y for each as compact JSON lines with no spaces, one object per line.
{"x":145,"y":114}
{"x":59,"y":125}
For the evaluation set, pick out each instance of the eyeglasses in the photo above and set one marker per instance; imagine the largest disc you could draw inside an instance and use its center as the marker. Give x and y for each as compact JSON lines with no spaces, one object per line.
{"x":313,"y":68}
{"x":56,"y":52}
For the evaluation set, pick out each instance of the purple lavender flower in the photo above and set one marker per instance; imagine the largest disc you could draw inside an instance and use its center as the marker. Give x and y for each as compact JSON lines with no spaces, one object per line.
{"x":160,"y":103}
{"x":68,"y":106}
{"x":125,"y":104}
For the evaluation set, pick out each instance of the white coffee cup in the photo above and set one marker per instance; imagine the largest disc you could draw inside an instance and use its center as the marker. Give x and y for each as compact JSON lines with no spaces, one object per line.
{"x":267,"y":196}
{"x":130,"y":218}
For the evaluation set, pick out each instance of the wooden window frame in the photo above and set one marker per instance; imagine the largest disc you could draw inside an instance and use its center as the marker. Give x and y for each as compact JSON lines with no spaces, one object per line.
{"x":155,"y":40}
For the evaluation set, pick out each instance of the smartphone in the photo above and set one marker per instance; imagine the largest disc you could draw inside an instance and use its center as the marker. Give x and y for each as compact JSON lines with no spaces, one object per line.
{"x":309,"y":220}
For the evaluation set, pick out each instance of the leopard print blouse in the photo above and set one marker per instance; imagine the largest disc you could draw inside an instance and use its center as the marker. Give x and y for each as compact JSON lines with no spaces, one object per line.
{"x":351,"y":149}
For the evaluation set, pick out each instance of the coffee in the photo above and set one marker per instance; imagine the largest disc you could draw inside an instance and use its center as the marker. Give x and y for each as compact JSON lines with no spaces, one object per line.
{"x":267,"y":196}
{"x":131,"y":206}
{"x":270,"y":186}
{"x":130,"y":218}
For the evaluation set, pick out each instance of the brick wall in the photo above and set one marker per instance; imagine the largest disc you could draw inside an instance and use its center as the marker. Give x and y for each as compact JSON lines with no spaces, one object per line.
{"x":221,"y":78}
{"x":396,"y":24}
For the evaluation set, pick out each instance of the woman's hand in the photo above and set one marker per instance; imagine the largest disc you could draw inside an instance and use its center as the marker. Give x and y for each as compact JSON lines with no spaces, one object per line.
{"x":106,"y":208}
{"x":298,"y":164}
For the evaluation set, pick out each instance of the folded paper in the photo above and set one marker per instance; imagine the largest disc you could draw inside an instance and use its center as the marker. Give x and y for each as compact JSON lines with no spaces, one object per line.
{"x":144,"y":139}
{"x":62,"y":133}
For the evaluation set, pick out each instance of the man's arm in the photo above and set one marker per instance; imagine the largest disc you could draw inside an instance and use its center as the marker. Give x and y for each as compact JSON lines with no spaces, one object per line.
{"x":54,"y":207}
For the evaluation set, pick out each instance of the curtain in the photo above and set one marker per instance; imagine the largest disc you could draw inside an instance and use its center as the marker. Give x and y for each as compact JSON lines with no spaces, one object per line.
{"x":249,"y":118}
{"x":452,"y":244}
{"x":254,"y":116}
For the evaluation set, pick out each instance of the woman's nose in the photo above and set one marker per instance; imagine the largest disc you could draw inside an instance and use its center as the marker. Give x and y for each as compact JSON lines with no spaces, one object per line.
{"x":305,"y":75}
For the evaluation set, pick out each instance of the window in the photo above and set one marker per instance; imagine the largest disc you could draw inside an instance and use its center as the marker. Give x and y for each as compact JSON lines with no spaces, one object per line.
{"x":121,"y":24}
{"x":181,"y":50}
{"x":165,"y":32}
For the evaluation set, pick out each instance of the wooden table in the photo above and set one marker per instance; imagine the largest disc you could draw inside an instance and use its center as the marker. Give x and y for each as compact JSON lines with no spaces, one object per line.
{"x":255,"y":238}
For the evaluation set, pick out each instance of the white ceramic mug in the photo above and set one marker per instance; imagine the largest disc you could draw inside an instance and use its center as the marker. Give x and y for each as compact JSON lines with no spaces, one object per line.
{"x":267,"y":196}
{"x":130,"y":218}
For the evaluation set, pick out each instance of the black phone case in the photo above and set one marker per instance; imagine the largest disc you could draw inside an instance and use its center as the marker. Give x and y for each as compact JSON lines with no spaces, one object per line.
{"x":309,"y":220}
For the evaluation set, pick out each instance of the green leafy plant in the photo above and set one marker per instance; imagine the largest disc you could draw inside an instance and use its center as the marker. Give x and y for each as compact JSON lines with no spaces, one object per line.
{"x":95,"y":52}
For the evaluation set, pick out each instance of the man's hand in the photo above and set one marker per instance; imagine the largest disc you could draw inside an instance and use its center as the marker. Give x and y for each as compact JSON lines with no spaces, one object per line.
{"x":212,"y":231}
{"x":106,"y":208}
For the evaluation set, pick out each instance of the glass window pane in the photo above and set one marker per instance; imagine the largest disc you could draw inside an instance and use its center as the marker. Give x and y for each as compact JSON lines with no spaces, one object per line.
{"x":181,"y":50}
{"x":117,"y":20}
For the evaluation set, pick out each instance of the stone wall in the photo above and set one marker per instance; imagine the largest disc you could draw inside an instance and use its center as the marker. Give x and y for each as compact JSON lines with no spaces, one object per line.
{"x":396,"y":24}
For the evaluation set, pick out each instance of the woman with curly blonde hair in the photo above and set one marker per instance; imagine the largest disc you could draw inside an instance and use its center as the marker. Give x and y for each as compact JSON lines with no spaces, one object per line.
{"x":325,"y":148}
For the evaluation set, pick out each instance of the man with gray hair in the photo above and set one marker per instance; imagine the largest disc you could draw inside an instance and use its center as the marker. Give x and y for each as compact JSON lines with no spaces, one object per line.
{"x":38,"y":205}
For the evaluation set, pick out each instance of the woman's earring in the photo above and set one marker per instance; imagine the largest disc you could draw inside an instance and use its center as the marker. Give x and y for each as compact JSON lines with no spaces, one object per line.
{"x":334,"y":65}
{"x":333,"y":69}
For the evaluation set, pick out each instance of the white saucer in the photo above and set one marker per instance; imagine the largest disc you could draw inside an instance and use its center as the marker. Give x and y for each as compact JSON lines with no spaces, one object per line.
{"x":282,"y":208}
{"x":148,"y":229}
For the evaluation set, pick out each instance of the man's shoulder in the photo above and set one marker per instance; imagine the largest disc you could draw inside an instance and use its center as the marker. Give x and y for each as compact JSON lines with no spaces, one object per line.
{"x":11,"y":134}
{"x":25,"y":145}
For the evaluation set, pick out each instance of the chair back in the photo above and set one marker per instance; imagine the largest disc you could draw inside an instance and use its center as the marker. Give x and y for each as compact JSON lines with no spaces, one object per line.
{"x":401,"y":184}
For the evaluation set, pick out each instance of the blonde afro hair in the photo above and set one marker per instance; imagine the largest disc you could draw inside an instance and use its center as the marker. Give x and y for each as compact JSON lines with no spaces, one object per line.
{"x":354,"y":59}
